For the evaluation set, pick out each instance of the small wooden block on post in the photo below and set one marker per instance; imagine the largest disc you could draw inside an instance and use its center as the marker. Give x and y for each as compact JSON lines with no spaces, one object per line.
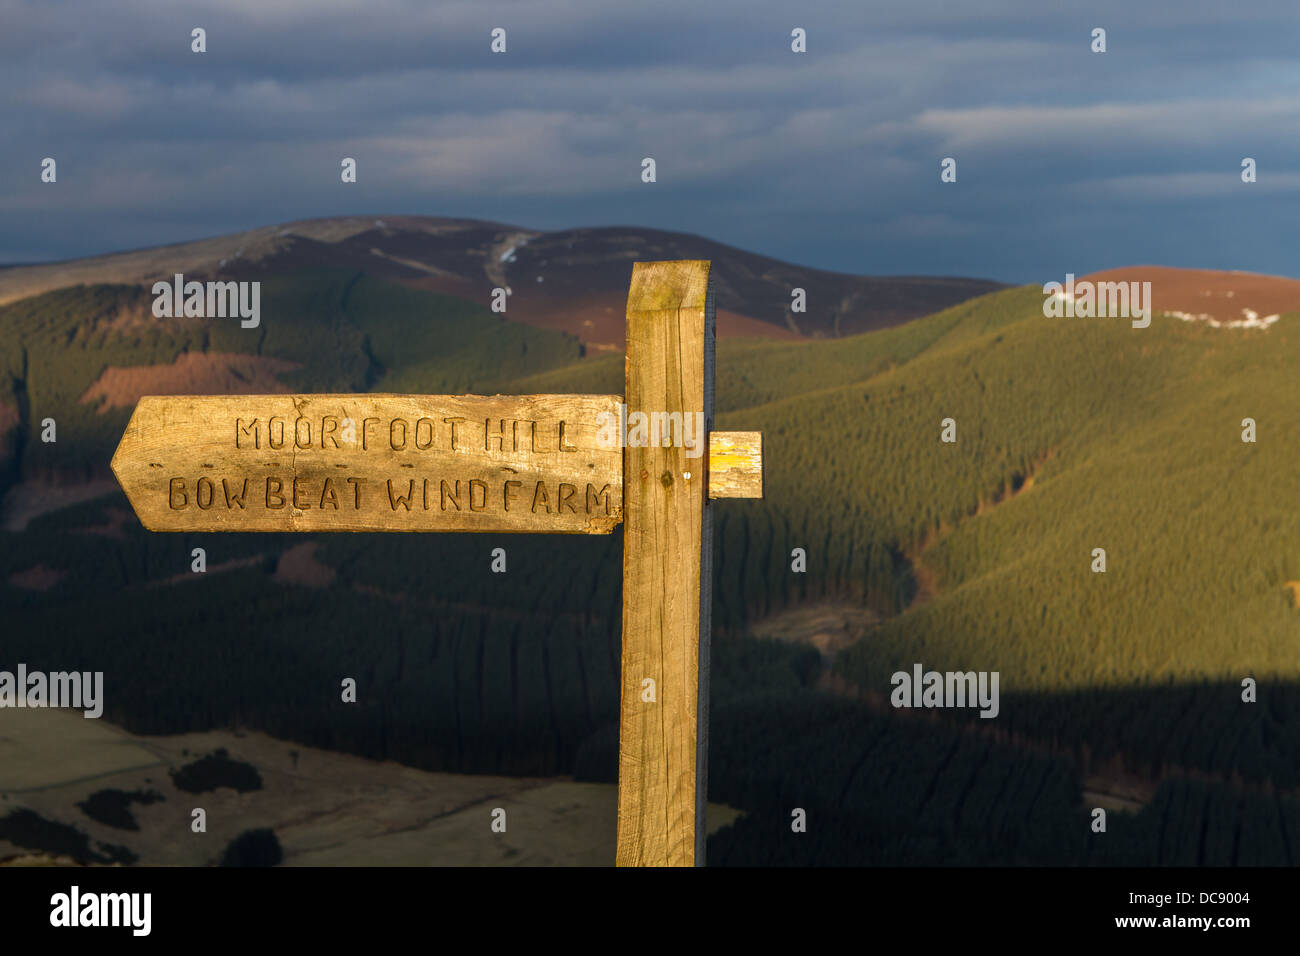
{"x":735,"y":464}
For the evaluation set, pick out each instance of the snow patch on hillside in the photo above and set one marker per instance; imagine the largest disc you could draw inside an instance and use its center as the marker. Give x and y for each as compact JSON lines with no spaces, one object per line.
{"x":1252,"y":320}
{"x":509,"y":254}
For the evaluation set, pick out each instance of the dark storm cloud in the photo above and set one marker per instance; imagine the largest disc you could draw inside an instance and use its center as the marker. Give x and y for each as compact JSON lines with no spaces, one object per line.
{"x":1067,"y":160}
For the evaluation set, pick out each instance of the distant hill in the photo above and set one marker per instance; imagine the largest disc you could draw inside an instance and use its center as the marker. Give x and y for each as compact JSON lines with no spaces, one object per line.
{"x":572,"y":280}
{"x":1212,"y":296}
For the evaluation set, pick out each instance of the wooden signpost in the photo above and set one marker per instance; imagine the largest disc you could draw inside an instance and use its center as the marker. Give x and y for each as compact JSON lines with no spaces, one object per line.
{"x":372,"y":462}
{"x":508,"y":463}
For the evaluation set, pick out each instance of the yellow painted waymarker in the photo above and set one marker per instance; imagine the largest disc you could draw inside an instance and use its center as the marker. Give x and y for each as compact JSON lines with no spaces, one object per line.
{"x":508,"y":463}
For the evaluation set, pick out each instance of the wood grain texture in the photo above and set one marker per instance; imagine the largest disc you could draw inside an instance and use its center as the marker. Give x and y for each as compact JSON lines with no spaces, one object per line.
{"x":735,"y":464}
{"x":372,"y":462}
{"x":666,"y":574}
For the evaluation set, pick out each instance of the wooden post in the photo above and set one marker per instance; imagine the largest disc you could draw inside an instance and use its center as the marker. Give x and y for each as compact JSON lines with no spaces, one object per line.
{"x":667,"y":575}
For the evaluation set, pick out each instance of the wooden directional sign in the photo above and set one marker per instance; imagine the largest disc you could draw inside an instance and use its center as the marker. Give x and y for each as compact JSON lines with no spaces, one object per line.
{"x":372,"y":463}
{"x":532,"y":463}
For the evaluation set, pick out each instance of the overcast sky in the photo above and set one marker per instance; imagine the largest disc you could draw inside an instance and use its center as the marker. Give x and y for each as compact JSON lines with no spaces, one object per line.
{"x":1067,"y":160}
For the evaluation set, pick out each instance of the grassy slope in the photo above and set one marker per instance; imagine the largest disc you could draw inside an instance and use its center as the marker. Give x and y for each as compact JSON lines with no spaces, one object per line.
{"x":1133,"y":438}
{"x":1146,"y":460}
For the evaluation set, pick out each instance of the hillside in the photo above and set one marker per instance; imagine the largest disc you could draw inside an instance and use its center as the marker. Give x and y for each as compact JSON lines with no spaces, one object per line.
{"x":1219,"y":299}
{"x":84,"y":355}
{"x":1072,"y":435}
{"x":572,"y":280}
